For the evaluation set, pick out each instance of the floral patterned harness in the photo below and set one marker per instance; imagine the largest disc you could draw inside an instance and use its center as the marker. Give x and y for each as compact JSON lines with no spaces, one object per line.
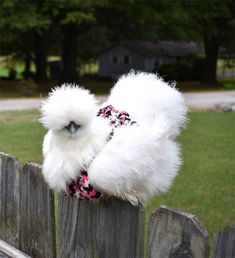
{"x":80,"y":187}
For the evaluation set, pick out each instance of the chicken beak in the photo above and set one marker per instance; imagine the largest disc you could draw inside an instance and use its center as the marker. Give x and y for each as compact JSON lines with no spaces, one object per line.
{"x":72,"y":127}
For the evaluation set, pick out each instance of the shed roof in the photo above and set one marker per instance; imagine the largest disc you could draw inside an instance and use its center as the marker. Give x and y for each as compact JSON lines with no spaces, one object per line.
{"x":162,"y":48}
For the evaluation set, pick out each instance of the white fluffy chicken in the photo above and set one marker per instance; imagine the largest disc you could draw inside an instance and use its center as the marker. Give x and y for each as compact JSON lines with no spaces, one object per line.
{"x":128,"y":149}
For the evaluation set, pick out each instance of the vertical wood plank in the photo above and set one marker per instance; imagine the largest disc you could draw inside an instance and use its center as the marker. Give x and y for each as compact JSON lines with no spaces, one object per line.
{"x":37,"y":235}
{"x":119,"y":229}
{"x":9,"y":199}
{"x":176,"y":234}
{"x":225,"y":243}
{"x":103,"y":229}
{"x":76,"y":223}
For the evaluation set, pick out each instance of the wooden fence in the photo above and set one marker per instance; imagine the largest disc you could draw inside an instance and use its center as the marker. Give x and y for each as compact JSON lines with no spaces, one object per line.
{"x":34,"y":221}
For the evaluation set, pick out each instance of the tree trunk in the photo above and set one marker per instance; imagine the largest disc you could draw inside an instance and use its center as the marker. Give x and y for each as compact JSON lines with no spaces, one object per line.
{"x":27,"y":62}
{"x":40,"y":50}
{"x":69,"y":53}
{"x":211,"y":50}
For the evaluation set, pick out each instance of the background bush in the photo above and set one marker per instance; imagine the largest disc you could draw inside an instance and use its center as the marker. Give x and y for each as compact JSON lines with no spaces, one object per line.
{"x":191,"y":69}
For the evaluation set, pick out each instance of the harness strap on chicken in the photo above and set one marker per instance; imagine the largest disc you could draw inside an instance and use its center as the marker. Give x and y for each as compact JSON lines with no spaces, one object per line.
{"x":80,"y":187}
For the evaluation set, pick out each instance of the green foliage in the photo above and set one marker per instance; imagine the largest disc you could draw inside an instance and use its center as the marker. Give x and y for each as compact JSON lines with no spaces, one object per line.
{"x":98,"y":23}
{"x":229,"y":86}
{"x":23,"y":15}
{"x":137,"y":19}
{"x":197,"y":65}
{"x":78,"y":18}
{"x":211,"y":22}
{"x":211,"y":18}
{"x":74,"y":12}
{"x":87,"y":50}
{"x":191,"y":69}
{"x":175,"y":72}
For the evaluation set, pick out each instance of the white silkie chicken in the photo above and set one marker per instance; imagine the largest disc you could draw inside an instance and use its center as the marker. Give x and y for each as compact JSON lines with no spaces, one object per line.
{"x":128,"y":150}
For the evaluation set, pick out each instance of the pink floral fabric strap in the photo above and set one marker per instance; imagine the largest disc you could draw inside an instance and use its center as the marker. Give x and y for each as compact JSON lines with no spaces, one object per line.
{"x":82,"y":189}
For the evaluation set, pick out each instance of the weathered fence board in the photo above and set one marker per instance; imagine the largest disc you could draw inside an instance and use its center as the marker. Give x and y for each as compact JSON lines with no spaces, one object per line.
{"x":37,"y":234}
{"x":9,"y":199}
{"x":100,"y":229}
{"x":111,"y":228}
{"x":7,"y":250}
{"x":225,"y":243}
{"x":120,"y":227}
{"x":176,"y":234}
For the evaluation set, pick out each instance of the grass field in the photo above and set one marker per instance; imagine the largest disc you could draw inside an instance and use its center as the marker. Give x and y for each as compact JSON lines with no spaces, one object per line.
{"x":21,"y":135}
{"x":205,"y":185}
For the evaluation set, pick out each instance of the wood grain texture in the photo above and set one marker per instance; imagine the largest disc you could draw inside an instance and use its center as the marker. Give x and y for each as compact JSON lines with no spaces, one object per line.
{"x":105,"y":229}
{"x":7,"y":250}
{"x":9,"y":199}
{"x":225,"y":243}
{"x":176,"y":234}
{"x":37,"y":235}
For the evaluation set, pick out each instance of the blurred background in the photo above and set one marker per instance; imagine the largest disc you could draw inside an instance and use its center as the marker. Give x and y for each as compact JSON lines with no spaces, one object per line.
{"x":43,"y":43}
{"x":91,"y":42}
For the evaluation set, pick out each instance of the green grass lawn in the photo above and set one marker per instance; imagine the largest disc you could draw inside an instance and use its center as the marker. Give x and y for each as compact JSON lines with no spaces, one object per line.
{"x":205,"y":185}
{"x":21,"y":135}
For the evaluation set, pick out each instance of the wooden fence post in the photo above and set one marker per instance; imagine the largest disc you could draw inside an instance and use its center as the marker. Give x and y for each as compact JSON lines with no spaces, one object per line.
{"x":37,"y":234}
{"x":225,"y":243}
{"x":104,"y":229}
{"x":176,"y":234}
{"x":9,"y":199}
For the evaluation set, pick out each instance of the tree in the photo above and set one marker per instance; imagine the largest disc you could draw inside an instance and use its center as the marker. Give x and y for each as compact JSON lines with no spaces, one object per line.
{"x":120,"y":19}
{"x":75,"y":17}
{"x":210,"y":21}
{"x":27,"y":23}
{"x":137,"y":19}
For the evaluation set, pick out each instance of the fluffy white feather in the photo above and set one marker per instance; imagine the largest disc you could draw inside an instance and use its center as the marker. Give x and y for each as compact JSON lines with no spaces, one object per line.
{"x":65,"y":154}
{"x":146,"y":96}
{"x":139,"y":161}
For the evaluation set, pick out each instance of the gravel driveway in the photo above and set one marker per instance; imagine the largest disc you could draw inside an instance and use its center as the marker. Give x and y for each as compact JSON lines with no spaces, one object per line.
{"x":209,"y":100}
{"x":19,"y":104}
